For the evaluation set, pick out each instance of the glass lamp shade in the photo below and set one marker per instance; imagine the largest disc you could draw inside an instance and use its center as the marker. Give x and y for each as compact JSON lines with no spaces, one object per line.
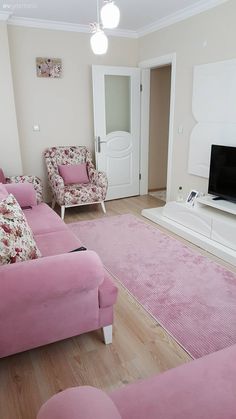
{"x":99,"y":42}
{"x":110,"y":15}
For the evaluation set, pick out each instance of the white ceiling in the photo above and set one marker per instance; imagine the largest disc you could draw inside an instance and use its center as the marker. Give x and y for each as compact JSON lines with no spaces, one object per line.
{"x":136,"y":15}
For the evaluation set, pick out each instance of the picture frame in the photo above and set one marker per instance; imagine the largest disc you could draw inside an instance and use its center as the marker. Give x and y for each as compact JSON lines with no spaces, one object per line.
{"x":49,"y":67}
{"x":193,"y":194}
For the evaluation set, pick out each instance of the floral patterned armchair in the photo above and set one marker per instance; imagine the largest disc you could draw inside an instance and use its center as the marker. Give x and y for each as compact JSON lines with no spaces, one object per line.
{"x":76,"y":194}
{"x":34,"y":180}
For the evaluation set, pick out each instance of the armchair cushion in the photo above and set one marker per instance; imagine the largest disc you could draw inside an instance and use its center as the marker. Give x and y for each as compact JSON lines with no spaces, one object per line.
{"x":2,"y":176}
{"x":24,"y":193}
{"x":73,"y":173}
{"x":78,"y":193}
{"x":16,"y":238}
{"x":79,"y":403}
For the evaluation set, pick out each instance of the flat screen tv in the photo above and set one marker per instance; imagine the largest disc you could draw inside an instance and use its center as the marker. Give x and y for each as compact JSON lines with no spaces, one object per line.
{"x":222,"y":177}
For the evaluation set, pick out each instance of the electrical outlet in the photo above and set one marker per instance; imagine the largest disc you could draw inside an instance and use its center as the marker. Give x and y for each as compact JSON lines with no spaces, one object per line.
{"x":181,"y":129}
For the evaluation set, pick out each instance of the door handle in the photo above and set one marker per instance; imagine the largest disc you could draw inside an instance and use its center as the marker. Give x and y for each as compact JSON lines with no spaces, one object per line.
{"x":99,"y":142}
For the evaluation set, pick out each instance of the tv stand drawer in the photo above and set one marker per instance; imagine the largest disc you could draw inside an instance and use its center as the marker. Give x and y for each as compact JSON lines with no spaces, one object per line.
{"x":224,"y":232}
{"x":188,"y":216}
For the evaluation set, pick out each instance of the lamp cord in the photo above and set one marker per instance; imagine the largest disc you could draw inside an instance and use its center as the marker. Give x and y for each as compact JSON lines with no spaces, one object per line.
{"x":98,"y":16}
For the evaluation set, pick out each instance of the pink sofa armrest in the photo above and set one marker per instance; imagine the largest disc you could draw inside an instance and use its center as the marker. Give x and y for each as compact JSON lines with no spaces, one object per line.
{"x":107,"y":292}
{"x":201,"y":389}
{"x":33,"y":281}
{"x":79,"y":403}
{"x":24,"y":193}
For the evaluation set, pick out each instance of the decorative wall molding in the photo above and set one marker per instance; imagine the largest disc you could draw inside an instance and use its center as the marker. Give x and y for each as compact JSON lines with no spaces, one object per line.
{"x":65,"y":26}
{"x":183,"y":14}
{"x":213,"y":107}
{"x":4,"y":16}
{"x":201,"y":6}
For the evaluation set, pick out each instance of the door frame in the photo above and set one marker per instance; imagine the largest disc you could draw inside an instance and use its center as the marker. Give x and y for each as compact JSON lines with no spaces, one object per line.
{"x":146,"y":67}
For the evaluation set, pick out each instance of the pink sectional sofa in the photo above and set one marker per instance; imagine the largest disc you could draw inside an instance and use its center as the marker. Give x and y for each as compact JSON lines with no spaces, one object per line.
{"x":57,"y":296}
{"x":202,"y":389}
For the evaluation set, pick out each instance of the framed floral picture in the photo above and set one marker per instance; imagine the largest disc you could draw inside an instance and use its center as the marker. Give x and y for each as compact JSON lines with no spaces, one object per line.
{"x":49,"y":67}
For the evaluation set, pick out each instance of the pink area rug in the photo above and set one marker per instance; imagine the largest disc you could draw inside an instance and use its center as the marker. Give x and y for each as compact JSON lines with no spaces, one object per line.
{"x":192,"y":297}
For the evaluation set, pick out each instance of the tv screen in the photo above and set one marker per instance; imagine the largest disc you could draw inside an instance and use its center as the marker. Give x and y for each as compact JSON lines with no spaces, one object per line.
{"x":222,"y":178}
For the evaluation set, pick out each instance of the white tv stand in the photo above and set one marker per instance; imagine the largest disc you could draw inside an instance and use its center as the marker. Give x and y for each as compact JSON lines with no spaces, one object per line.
{"x":209,"y":224}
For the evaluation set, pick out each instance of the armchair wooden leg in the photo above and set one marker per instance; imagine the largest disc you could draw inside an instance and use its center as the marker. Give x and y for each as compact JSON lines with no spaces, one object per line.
{"x":103,"y":207}
{"x":62,"y":212}
{"x":107,"y":334}
{"x":53,"y":203}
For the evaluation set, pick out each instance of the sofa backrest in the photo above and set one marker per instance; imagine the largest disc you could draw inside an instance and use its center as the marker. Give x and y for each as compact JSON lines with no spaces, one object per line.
{"x":55,"y":156}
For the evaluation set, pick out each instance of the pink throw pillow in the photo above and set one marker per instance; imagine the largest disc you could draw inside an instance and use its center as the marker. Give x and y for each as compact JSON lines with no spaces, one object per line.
{"x":2,"y":177}
{"x":74,"y":173}
{"x":3,"y":192}
{"x":24,"y":193}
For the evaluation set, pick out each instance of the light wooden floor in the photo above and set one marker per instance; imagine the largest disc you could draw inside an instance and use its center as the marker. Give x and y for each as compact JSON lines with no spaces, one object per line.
{"x":140,"y":346}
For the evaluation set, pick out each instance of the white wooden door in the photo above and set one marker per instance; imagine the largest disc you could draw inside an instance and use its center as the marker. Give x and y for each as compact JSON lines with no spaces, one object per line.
{"x":116,"y":101}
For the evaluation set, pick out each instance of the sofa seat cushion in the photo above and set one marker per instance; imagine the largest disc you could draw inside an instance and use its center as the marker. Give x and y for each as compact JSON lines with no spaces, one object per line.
{"x":79,"y":194}
{"x":42,"y":219}
{"x":16,"y":239}
{"x":57,"y":242}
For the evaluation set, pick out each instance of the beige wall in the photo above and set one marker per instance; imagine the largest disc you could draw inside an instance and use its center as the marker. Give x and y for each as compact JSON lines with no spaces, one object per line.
{"x":62,"y":107}
{"x":159,"y":127}
{"x":10,"y":158}
{"x":217,"y":27}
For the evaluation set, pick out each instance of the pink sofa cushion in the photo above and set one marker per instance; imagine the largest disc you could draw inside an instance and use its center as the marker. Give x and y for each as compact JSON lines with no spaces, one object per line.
{"x":2,"y":176}
{"x":3,"y":192}
{"x":74,"y":173}
{"x":79,"y":403}
{"x":24,"y":193}
{"x":43,"y":220}
{"x":57,"y":242}
{"x":16,"y":239}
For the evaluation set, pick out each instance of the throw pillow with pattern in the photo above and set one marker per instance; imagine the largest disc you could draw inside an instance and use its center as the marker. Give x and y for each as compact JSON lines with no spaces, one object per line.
{"x":16,"y":239}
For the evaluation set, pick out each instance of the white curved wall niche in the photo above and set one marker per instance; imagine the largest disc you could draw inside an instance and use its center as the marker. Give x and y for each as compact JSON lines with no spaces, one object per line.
{"x":213,"y":106}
